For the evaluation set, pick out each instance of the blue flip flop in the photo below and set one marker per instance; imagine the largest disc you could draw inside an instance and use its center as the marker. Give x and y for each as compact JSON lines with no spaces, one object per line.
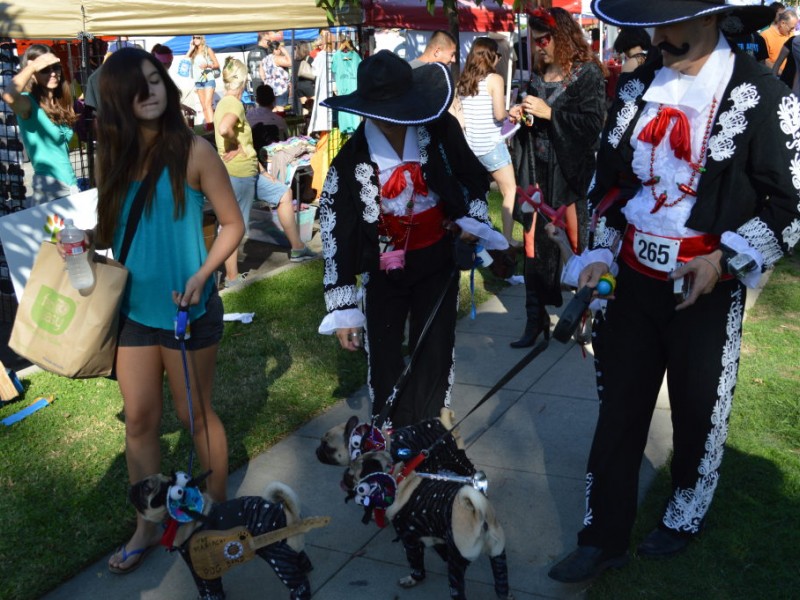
{"x":141,"y":553}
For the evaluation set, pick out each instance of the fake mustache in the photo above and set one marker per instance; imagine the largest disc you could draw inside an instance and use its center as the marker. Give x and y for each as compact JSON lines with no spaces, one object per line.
{"x":674,"y":50}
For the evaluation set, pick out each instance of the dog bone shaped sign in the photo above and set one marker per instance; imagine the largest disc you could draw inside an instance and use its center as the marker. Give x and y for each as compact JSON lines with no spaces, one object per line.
{"x":213,"y":553}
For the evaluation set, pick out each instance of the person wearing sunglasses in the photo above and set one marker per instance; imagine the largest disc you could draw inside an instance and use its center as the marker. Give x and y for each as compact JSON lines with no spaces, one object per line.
{"x":205,"y":68}
{"x":40,"y":97}
{"x":566,"y":100}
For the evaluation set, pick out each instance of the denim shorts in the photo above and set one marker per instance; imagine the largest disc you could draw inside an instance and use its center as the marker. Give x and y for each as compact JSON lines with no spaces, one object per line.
{"x":270,"y":191}
{"x":206,"y":331}
{"x":211,"y":83}
{"x":497,"y":158}
{"x":244,"y":188}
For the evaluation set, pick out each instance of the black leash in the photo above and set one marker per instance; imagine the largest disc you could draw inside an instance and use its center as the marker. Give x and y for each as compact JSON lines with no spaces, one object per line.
{"x":512,"y":372}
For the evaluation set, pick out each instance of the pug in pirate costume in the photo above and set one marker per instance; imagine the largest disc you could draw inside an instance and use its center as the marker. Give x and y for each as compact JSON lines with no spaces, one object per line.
{"x":395,"y":196}
{"x":344,"y":443}
{"x":454,"y":517}
{"x":705,"y":144}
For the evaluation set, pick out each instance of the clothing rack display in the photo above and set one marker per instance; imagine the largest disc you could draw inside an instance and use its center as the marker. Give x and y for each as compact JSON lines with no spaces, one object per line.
{"x":12,"y":177}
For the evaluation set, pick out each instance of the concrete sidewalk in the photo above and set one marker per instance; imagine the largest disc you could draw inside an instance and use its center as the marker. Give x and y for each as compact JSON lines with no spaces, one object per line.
{"x":532,"y":439}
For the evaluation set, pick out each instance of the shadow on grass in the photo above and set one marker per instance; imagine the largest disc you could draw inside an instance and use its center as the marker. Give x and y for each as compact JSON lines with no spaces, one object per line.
{"x":747,"y":550}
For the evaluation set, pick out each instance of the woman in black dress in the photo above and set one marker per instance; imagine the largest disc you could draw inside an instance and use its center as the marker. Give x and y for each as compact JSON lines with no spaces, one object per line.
{"x":566,"y":98}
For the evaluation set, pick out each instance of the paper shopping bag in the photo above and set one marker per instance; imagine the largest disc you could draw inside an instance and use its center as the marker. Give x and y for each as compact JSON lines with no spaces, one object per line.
{"x":65,"y":331}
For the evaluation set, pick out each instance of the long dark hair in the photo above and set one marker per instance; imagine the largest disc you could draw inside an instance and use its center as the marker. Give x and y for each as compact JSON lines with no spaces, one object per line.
{"x":570,"y":45}
{"x":480,"y":63}
{"x":60,"y":111}
{"x":122,"y":156}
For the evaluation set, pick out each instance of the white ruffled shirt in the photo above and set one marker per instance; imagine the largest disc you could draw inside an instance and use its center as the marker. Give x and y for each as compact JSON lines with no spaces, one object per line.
{"x":694,"y":96}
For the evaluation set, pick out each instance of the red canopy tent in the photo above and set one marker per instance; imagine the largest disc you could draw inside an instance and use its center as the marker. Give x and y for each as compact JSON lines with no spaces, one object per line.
{"x":413,"y":14}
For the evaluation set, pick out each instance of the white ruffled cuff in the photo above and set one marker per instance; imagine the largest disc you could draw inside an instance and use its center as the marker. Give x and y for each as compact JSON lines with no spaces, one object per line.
{"x":341,"y":319}
{"x":578,"y":262}
{"x":736,"y":242}
{"x":490,"y":238}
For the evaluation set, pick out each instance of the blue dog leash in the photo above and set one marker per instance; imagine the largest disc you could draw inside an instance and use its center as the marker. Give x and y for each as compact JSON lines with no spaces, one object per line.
{"x":182,"y":333}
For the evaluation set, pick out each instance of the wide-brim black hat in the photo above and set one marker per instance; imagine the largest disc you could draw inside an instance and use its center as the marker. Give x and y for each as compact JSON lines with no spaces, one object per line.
{"x":640,"y":13}
{"x":390,"y":90}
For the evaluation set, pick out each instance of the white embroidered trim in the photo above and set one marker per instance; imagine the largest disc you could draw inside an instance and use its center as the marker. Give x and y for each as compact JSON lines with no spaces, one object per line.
{"x":345,"y":296}
{"x":629,"y":93}
{"x":604,"y":236}
{"x":592,"y":183}
{"x":451,"y":378}
{"x":423,"y":141}
{"x":479,"y":209}
{"x":791,"y":234}
{"x":789,"y":115}
{"x":760,"y":236}
{"x":588,"y":517}
{"x":369,"y":192}
{"x":327,"y":222}
{"x":687,"y":508}
{"x":733,"y":122}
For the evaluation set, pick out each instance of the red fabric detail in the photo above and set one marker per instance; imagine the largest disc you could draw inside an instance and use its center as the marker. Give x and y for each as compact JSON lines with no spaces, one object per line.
{"x":691,"y":247}
{"x":397,"y":181}
{"x":545,"y":16}
{"x":426,"y":228}
{"x":413,"y":464}
{"x":380,"y":517}
{"x":170,"y":531}
{"x":679,"y":138}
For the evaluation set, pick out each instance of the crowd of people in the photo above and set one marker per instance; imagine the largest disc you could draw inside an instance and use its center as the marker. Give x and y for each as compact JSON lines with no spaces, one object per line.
{"x":684,"y":189}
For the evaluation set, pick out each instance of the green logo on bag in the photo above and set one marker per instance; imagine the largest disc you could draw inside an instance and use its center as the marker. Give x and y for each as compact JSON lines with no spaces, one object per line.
{"x":51,"y":311}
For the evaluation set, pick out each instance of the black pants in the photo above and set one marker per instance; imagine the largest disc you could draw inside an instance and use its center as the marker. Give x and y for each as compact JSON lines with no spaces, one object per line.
{"x":393,"y":298}
{"x":640,"y":338}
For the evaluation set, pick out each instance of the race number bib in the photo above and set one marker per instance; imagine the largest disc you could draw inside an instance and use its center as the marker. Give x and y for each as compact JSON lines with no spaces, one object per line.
{"x":657,"y":253}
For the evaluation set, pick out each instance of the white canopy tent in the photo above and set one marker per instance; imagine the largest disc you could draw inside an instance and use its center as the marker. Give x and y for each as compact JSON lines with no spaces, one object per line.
{"x":68,"y":19}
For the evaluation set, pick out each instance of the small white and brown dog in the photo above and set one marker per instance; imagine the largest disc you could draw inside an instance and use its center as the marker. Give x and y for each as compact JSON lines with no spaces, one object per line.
{"x":177,"y":502}
{"x":453,"y":517}
{"x":344,"y":443}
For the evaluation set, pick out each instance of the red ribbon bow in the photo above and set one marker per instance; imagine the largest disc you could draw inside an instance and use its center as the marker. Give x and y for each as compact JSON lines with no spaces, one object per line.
{"x":397,"y":181}
{"x":545,"y":16}
{"x":679,"y":137}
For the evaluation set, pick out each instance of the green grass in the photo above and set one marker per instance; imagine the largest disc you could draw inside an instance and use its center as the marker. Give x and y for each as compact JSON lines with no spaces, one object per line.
{"x":63,"y":479}
{"x":750,"y":547}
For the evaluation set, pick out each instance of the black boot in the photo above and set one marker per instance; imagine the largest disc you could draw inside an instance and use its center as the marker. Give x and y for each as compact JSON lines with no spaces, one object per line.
{"x":536,"y":324}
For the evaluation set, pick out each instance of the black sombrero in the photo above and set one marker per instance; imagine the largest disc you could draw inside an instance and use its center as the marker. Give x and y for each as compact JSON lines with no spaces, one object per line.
{"x":390,"y":90}
{"x":638,"y":13}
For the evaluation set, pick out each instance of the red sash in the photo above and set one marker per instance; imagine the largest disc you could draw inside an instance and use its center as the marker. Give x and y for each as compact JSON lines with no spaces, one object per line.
{"x":690,"y":247}
{"x":425,"y":230}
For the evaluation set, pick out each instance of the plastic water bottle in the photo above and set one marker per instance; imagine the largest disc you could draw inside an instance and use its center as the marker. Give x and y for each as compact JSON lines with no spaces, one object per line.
{"x":78,"y":267}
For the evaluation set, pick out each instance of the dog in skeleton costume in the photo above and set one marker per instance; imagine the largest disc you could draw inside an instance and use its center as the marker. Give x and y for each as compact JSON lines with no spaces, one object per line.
{"x":186,"y":511}
{"x":453,"y":517}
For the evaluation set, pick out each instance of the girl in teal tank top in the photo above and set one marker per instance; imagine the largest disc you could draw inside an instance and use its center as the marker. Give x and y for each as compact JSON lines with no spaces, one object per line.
{"x":145,"y":142}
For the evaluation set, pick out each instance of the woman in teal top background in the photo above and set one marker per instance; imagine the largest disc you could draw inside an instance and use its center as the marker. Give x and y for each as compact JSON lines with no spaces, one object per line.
{"x":39,"y":95}
{"x":145,"y":141}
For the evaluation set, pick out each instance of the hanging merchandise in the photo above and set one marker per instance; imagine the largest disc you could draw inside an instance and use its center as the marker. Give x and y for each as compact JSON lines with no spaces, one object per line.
{"x":328,"y":146}
{"x":344,"y":66}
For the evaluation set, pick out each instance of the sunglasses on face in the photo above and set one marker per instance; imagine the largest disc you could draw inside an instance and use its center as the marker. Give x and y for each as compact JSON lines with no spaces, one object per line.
{"x":543,"y":40}
{"x":51,"y":69}
{"x":197,"y":37}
